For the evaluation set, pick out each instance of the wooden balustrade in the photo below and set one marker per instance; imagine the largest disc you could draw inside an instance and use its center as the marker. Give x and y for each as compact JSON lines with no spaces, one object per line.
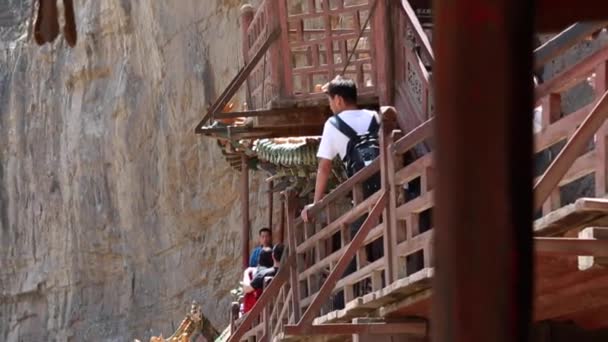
{"x":583,"y":154}
{"x":317,"y":41}
{"x":400,"y":214}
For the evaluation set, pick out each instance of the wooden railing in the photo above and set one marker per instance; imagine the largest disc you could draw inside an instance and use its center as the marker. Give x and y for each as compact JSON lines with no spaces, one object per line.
{"x":413,"y":91}
{"x":318,"y":40}
{"x":557,"y":127}
{"x":397,"y":220}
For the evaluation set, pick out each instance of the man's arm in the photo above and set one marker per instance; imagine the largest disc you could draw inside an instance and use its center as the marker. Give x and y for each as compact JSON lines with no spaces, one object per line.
{"x":323,"y":173}
{"x":246,"y":279}
{"x":254,"y":256}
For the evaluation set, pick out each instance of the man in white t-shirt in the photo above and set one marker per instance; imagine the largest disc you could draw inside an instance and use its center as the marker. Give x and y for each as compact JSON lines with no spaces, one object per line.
{"x":342,"y":95}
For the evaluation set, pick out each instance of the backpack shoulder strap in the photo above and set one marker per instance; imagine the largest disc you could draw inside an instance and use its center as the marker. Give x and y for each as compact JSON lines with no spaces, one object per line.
{"x":374,"y":126}
{"x":343,"y":127}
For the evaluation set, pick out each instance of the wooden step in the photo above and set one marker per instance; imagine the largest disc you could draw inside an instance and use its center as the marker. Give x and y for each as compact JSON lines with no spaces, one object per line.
{"x":585,"y":212}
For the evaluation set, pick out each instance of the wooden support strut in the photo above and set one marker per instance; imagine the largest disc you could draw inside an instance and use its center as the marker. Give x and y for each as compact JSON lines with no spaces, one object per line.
{"x":238,"y":80}
{"x":349,"y":253}
{"x":558,"y":168}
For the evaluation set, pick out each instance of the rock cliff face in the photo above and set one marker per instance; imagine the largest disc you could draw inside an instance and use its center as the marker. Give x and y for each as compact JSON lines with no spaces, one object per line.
{"x":114,"y":215}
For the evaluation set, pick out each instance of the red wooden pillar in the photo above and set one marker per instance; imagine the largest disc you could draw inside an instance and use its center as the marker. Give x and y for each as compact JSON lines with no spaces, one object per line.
{"x":483,"y":242}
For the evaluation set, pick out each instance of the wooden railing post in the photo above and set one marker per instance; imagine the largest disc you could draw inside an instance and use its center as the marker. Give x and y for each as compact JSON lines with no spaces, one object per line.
{"x":551,"y":111}
{"x":338,"y":270}
{"x":387,"y":173}
{"x":247,"y":13}
{"x":383,"y":43}
{"x":601,"y":174}
{"x":291,"y":238}
{"x":281,"y":54}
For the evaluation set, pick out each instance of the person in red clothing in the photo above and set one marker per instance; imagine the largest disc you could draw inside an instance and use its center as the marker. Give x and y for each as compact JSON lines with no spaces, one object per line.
{"x":252,"y":294}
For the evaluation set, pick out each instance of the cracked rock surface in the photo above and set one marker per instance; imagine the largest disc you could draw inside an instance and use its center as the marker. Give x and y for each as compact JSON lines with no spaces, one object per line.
{"x":114,"y":215}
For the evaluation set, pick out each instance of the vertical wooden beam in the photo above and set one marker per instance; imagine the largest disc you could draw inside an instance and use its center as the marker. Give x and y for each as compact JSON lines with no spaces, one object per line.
{"x":282,"y":222}
{"x":247,"y":13}
{"x":482,"y":289}
{"x":245,"y":211}
{"x":551,"y":111}
{"x":387,"y":174}
{"x":291,"y":238}
{"x":283,"y":50}
{"x":551,"y":106}
{"x":270,"y":205}
{"x":601,"y":142}
{"x":383,"y":45}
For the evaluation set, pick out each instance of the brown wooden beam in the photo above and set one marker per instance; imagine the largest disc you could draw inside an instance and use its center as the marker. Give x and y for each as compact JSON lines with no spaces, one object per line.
{"x":291,"y":202}
{"x":273,"y":112}
{"x":346,"y":186}
{"x":571,"y":246}
{"x":483,"y":209}
{"x":587,"y":262}
{"x":565,"y":40}
{"x":245,"y":229}
{"x":338,"y":270}
{"x":558,"y":168}
{"x":555,"y":15}
{"x":572,"y":75}
{"x":238,"y":80}
{"x":415,"y":136}
{"x":417,"y":328}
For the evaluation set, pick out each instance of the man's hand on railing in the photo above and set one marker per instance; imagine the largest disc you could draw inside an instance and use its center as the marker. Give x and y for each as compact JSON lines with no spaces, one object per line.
{"x":304,"y":213}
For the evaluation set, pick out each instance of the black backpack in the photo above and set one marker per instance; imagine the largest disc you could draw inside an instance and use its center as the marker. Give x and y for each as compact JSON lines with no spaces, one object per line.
{"x":360,"y":151}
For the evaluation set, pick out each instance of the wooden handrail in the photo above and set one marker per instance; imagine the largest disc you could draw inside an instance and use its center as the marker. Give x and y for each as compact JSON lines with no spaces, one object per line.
{"x":340,"y":267}
{"x":347,"y":218}
{"x":238,"y":80}
{"x":414,"y":137}
{"x":420,"y":34}
{"x":572,"y":75}
{"x":565,"y":40}
{"x":267,"y":295}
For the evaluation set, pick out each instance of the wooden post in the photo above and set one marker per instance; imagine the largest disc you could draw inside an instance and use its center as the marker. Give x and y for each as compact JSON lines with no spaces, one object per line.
{"x":387,"y":174}
{"x":270,"y":205}
{"x":601,"y":142}
{"x":291,"y":238}
{"x":245,"y":210}
{"x":247,"y":13}
{"x":587,"y":262}
{"x":282,"y":222}
{"x":551,"y":111}
{"x":383,"y":45}
{"x":482,"y":288}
